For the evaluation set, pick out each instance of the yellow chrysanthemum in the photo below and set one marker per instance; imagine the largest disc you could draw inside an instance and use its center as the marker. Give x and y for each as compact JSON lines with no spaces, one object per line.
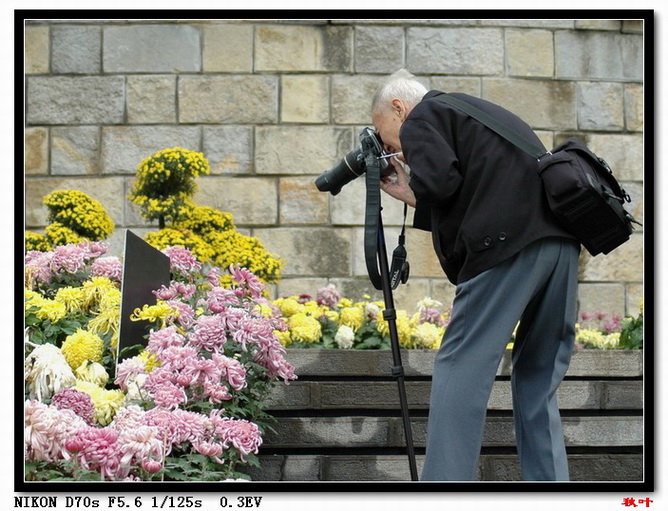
{"x":312,"y":308}
{"x":161,"y":311}
{"x":107,"y":320}
{"x":304,"y":328}
{"x":427,"y":335}
{"x":80,"y":346}
{"x":165,"y":181}
{"x":596,"y":338}
{"x":264,"y":310}
{"x":330,"y":315}
{"x":404,"y":329}
{"x":172,"y":237}
{"x":107,"y":317}
{"x":403,"y":323}
{"x":352,"y":317}
{"x":106,"y":402}
{"x":33,"y":298}
{"x":289,"y":306}
{"x":72,"y":297}
{"x":203,"y":219}
{"x":58,"y":234}
{"x":75,"y":213}
{"x":51,"y":310}
{"x":95,"y":289}
{"x":232,"y":247}
{"x":37,"y":241}
{"x":283,"y":337}
{"x":150,"y":360}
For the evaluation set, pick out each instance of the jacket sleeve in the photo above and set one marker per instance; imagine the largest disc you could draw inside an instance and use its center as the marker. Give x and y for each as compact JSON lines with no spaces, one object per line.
{"x":435,"y":175}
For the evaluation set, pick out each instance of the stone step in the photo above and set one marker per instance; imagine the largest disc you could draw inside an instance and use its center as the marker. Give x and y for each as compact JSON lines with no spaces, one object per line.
{"x":419,"y":363}
{"x":583,"y":467}
{"x":378,"y":395}
{"x":340,"y":420}
{"x":383,"y":432}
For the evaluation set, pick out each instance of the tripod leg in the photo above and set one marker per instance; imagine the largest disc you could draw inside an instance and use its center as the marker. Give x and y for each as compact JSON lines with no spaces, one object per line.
{"x":390,"y":316}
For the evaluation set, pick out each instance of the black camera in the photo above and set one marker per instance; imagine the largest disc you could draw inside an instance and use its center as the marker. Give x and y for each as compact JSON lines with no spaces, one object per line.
{"x":353,"y":164}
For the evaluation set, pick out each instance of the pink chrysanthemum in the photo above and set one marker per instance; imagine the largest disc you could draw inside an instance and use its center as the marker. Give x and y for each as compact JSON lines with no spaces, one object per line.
{"x":232,"y":370}
{"x":182,"y":260}
{"x":431,"y":315}
{"x":110,"y":267}
{"x":328,"y":296}
{"x":165,"y":293}
{"x":212,"y":449}
{"x":95,"y":248}
{"x":271,"y":355}
{"x":253,"y":330}
{"x":160,"y":340}
{"x":69,"y":258}
{"x":175,"y":358}
{"x":213,"y":277}
{"x":216,"y":393}
{"x":178,"y":426}
{"x":208,"y":333}
{"x":142,"y":446}
{"x":186,"y":291}
{"x":241,"y":434}
{"x":247,"y":279}
{"x":186,"y":314}
{"x":128,"y":417}
{"x":220,"y":298}
{"x":98,"y":449}
{"x":175,"y":290}
{"x":38,"y":267}
{"x":47,"y":429}
{"x":79,"y":402}
{"x":168,"y":395}
{"x":127,"y":371}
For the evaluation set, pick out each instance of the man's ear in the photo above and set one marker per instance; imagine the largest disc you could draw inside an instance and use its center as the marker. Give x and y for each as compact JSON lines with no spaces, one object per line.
{"x":399,"y":108}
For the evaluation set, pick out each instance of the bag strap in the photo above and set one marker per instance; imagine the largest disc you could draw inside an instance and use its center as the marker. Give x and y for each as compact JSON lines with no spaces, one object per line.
{"x":509,"y":134}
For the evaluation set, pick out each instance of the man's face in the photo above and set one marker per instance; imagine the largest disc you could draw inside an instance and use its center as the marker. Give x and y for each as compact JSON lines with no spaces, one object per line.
{"x":387,"y":124}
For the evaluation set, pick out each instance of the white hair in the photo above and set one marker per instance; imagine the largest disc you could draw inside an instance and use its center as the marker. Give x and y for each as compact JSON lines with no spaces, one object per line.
{"x":399,"y":85}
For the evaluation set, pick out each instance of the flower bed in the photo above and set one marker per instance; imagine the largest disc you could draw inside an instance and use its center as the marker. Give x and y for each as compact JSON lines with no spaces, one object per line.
{"x":335,"y":322}
{"x":191,"y":405}
{"x":188,"y":407}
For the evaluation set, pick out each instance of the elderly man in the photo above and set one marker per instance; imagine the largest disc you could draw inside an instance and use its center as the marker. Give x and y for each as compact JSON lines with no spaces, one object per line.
{"x":498,"y":242}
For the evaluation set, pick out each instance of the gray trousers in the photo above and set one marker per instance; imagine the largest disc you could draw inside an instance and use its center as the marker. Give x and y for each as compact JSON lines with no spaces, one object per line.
{"x":538,"y":288}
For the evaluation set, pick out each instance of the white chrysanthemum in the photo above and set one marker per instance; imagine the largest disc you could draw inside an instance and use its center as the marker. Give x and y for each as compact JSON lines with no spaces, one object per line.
{"x":345,"y":337}
{"x":428,"y":302}
{"x":92,"y":372}
{"x":46,"y":372}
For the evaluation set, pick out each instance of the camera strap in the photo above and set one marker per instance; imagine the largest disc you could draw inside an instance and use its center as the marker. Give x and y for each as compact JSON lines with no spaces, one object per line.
{"x":373,"y":233}
{"x":372,"y":229}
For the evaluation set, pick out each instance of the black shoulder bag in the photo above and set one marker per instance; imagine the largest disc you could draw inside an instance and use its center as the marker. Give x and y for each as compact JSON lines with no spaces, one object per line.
{"x":581,"y":190}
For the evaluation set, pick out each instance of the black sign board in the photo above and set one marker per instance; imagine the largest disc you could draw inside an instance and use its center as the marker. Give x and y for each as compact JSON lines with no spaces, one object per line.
{"x":145,"y":269}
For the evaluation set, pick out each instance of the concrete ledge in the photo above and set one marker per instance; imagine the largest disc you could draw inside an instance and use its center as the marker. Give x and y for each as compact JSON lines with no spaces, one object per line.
{"x":573,"y":395}
{"x":377,"y":363}
{"x":378,"y":432}
{"x":594,"y":467}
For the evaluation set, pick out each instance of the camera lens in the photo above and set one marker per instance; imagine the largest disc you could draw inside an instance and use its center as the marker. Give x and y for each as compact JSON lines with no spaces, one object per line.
{"x":350,"y":167}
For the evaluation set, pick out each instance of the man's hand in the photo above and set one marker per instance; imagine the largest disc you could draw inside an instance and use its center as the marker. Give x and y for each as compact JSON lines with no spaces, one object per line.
{"x":396,"y":184}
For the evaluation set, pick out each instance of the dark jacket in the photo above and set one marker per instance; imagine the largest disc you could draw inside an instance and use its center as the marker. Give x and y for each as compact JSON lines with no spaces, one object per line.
{"x":479,"y":195}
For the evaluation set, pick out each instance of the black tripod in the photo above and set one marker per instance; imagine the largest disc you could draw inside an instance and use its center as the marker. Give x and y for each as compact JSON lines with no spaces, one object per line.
{"x":376,"y":257}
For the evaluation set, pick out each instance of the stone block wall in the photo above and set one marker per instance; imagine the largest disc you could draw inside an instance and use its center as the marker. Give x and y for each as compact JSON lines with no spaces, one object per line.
{"x":273,"y":103}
